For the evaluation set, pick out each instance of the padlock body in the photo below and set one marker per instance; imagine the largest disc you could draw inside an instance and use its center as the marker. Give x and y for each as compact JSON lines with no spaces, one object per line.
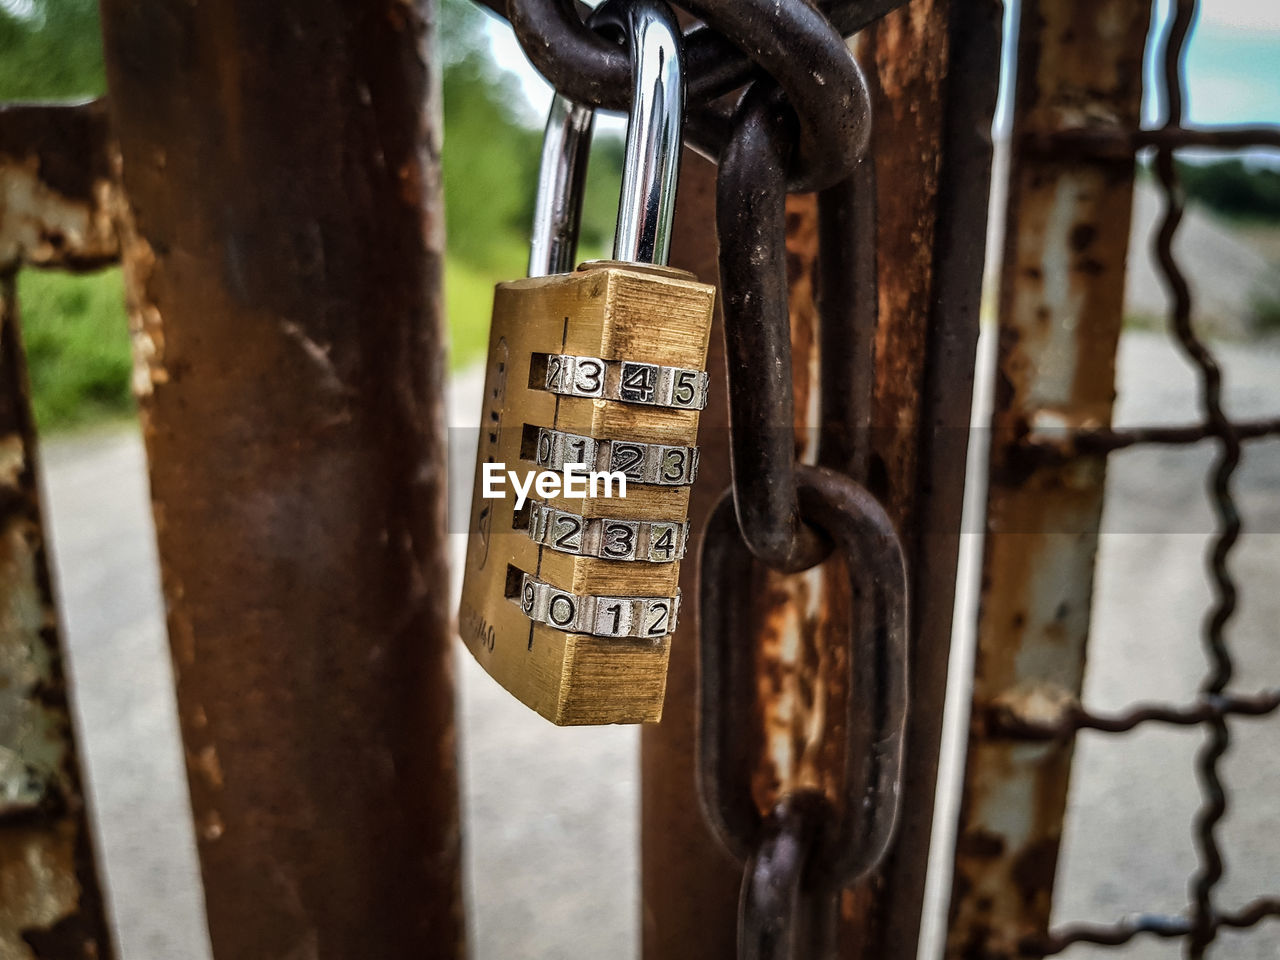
{"x":638,"y":334}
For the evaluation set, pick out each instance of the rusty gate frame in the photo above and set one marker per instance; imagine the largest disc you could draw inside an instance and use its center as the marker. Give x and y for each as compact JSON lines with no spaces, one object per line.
{"x":283,"y":286}
{"x":1071,"y":178}
{"x":57,"y":196}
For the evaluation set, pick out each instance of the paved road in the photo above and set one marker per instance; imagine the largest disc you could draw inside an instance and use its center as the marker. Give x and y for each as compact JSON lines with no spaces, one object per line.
{"x":551,"y":813}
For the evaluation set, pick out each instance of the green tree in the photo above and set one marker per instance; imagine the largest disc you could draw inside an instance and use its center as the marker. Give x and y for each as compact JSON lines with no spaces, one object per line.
{"x":490,"y":156}
{"x":50,"y":50}
{"x":1234,"y":188}
{"x":491,"y":153}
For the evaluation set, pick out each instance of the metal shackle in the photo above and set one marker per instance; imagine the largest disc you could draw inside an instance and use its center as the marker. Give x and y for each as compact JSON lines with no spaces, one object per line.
{"x":651,"y":164}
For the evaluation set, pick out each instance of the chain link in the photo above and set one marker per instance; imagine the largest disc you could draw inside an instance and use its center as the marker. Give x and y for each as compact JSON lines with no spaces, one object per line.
{"x":798,"y":45}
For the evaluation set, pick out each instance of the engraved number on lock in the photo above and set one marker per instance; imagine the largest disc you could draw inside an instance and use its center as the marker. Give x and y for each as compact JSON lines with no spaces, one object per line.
{"x":556,"y":448}
{"x":657,"y":613}
{"x":674,"y":464}
{"x":566,"y":534}
{"x":618,"y":539}
{"x":627,"y":458}
{"x":610,"y":538}
{"x":628,"y":381}
{"x":662,"y":541}
{"x":639,"y":382}
{"x":588,"y":377}
{"x":688,"y":389}
{"x":562,"y":610}
{"x":641,"y":462}
{"x":640,"y":617}
{"x":613,"y":617}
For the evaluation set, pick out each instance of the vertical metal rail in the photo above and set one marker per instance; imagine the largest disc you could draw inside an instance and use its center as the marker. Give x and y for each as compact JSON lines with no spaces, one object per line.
{"x":689,"y":884}
{"x":283,"y":247}
{"x":1062,"y":288}
{"x":925,"y":220}
{"x":56,"y":191}
{"x":937,"y":65}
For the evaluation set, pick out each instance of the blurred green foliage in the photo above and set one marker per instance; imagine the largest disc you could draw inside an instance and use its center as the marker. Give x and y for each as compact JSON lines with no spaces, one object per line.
{"x":75,"y":329}
{"x":1235,"y":189}
{"x":77,"y":346}
{"x":50,"y":50}
{"x":491,"y":151}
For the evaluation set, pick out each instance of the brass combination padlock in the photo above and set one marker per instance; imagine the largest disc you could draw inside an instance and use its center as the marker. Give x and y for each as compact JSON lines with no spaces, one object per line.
{"x":569,"y":600}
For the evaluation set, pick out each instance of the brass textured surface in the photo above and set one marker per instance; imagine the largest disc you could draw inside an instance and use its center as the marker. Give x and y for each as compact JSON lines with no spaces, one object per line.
{"x":616,"y":313}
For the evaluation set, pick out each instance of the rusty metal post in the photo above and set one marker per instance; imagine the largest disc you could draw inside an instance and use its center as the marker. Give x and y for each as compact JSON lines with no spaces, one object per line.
{"x":689,"y":885}
{"x":931,"y":145}
{"x":50,"y":901}
{"x":283,"y":246}
{"x":937,"y":65}
{"x":56,"y":188}
{"x":1062,"y":288}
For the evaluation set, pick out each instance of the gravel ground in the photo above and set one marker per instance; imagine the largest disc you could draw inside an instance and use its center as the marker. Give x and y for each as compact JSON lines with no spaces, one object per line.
{"x":551,"y":814}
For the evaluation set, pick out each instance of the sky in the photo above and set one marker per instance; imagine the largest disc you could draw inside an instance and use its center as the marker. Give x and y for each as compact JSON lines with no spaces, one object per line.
{"x":1233,"y":64}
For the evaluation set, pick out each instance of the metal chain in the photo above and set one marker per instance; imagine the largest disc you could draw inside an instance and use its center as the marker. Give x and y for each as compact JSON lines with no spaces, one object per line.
{"x":798,"y":45}
{"x":801,"y":122}
{"x":855,"y":836}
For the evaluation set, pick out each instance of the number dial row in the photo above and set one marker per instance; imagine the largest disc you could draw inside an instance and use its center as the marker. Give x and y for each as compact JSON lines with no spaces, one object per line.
{"x":641,"y":617}
{"x":627,"y":381}
{"x":653,"y":463}
{"x":609,"y":538}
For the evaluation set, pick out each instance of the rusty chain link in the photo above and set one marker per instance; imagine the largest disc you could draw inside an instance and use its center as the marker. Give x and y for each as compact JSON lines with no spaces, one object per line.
{"x":855,"y":525}
{"x":798,"y":45}
{"x":801,"y":122}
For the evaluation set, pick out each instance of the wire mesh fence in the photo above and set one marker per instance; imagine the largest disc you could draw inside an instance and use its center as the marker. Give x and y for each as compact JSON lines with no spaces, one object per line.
{"x":1027,"y":712}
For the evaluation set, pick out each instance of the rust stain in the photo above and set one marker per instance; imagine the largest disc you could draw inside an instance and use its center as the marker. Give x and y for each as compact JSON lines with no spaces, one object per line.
{"x":801,"y":646}
{"x":146,"y":322}
{"x":1060,"y":314}
{"x":56,"y":187}
{"x":910,"y":53}
{"x":49,"y":900}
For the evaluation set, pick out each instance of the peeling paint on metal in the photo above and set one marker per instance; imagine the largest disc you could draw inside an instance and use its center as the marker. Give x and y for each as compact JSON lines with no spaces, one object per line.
{"x":49,"y":901}
{"x":57,"y":188}
{"x":800,"y":673}
{"x":1062,"y":290}
{"x":39,"y":225}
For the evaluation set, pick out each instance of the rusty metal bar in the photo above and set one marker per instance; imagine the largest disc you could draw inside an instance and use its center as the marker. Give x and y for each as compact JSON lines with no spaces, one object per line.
{"x":56,"y":193}
{"x":936,"y":70}
{"x":1117,"y":143}
{"x":1213,"y":803}
{"x":1048,"y":720}
{"x":931,"y":223}
{"x":1062,"y":287}
{"x":51,"y":904}
{"x":689,"y":884}
{"x":1118,"y":934}
{"x":1057,"y":443}
{"x":59,"y":192}
{"x":283,"y":247}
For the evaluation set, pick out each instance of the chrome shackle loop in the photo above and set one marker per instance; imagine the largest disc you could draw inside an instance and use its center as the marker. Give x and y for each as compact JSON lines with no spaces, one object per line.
{"x":651,"y":164}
